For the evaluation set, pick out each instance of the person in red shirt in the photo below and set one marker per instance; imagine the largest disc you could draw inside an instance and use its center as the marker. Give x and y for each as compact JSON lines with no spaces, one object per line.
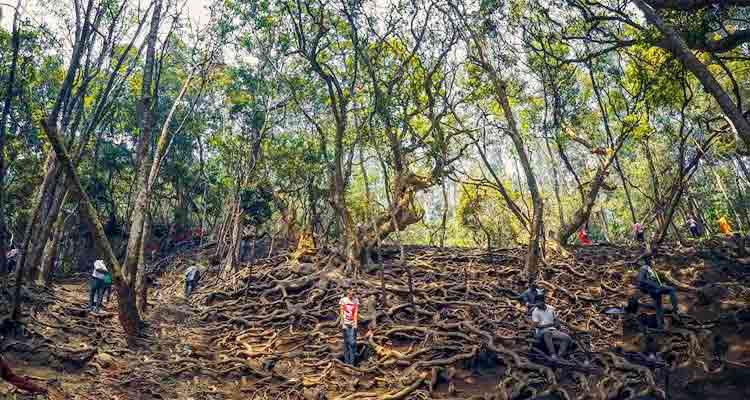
{"x":582,"y":238}
{"x":349,"y":314}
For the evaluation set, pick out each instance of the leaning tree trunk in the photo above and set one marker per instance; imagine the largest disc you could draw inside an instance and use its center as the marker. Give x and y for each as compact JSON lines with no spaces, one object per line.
{"x":128,"y":310}
{"x":674,"y":43}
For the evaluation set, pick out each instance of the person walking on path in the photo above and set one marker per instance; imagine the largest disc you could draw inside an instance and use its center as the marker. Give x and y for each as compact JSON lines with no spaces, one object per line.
{"x":693,"y":227}
{"x":724,"y":226}
{"x":192,"y":275}
{"x":97,"y":284}
{"x":348,"y":312}
{"x":649,"y":283}
{"x":106,"y":288}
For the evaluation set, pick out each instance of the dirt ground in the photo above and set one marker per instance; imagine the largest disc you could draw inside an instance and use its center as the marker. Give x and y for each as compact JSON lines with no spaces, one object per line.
{"x":270,"y":331}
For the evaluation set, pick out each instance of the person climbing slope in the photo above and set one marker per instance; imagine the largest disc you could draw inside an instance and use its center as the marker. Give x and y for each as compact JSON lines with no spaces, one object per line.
{"x":97,"y":284}
{"x":529,"y":295}
{"x":348,"y":312}
{"x":192,"y":276}
{"x":649,"y":283}
{"x":583,"y":237}
{"x":106,"y":288}
{"x":639,"y":232}
{"x":693,"y":227}
{"x":724,"y":226}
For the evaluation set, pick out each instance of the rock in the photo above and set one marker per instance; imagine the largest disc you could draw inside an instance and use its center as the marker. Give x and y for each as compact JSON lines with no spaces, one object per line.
{"x":313,"y":394}
{"x":105,"y":360}
{"x":711,"y":294}
{"x":595,"y":292}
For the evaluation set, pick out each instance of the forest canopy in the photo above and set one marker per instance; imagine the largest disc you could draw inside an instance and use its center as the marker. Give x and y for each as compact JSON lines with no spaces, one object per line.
{"x":128,"y":129}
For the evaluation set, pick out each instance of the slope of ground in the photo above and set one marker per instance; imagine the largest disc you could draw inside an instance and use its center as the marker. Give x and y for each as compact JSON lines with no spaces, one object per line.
{"x":271,"y":330}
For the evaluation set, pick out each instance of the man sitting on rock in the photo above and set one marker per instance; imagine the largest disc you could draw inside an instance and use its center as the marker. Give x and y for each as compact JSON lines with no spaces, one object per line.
{"x":649,"y":283}
{"x":545,"y":318}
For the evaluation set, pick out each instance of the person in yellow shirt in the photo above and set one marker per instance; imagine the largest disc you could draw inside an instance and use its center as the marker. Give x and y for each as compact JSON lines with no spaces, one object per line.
{"x":724,"y":227}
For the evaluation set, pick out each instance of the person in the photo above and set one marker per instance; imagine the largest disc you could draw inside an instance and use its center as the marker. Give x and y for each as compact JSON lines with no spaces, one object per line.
{"x":583,"y":238}
{"x":693,"y":227}
{"x":348,"y":313}
{"x":724,"y":226}
{"x":649,"y":283}
{"x":106,"y":288}
{"x":97,"y":284}
{"x":192,"y":275}
{"x":10,"y":258}
{"x":529,"y":295}
{"x":639,"y":233}
{"x":545,"y":318}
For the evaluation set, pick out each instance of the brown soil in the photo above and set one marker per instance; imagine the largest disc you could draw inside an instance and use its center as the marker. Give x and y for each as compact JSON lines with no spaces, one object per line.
{"x":271,"y":331}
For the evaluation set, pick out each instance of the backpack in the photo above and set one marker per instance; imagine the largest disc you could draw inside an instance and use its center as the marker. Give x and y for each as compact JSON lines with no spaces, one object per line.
{"x":107,"y":279}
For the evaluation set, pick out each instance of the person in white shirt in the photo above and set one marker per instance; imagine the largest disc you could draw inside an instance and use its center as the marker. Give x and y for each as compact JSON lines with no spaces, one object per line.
{"x":545,"y":318}
{"x":97,"y":284}
{"x":349,"y":314}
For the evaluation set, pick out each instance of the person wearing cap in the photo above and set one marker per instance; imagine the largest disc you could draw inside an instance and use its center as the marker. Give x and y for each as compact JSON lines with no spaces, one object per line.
{"x":545,"y":318}
{"x":97,"y":284}
{"x":529,"y":295}
{"x":348,"y":313}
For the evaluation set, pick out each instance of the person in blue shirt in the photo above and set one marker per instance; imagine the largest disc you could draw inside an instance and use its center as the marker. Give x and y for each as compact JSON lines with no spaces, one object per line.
{"x":649,"y":283}
{"x":530,"y":295}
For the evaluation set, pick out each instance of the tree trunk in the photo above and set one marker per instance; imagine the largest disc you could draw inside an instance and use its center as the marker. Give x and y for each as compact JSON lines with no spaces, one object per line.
{"x":677,"y":46}
{"x":52,"y":247}
{"x":15,"y":43}
{"x":128,"y":310}
{"x":141,"y":203}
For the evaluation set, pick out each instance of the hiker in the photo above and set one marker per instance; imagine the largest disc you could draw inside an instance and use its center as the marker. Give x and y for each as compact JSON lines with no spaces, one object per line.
{"x":529,"y":295}
{"x":10,"y":258}
{"x":545,"y":318}
{"x":106,"y":288}
{"x":649,"y":283}
{"x":348,"y":312}
{"x":583,"y":238}
{"x":639,"y":232}
{"x":97,"y":284}
{"x":724,"y":227}
{"x":192,"y":276}
{"x":693,"y":227}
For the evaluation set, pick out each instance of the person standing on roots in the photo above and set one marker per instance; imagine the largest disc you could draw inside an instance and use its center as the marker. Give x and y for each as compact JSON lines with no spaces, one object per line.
{"x":97,"y":284}
{"x":583,"y":236}
{"x":106,"y":288}
{"x":349,"y":314}
{"x":545,"y":318}
{"x":639,"y":233}
{"x":693,"y":227}
{"x":724,"y":226}
{"x":649,"y":283}
{"x":192,"y":275}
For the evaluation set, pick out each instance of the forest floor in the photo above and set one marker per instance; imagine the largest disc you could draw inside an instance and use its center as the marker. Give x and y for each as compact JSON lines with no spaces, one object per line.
{"x":270,"y":330}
